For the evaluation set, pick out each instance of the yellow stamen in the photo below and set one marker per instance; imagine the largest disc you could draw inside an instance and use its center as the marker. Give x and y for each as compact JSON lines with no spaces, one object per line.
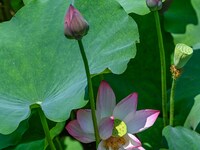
{"x":114,"y":142}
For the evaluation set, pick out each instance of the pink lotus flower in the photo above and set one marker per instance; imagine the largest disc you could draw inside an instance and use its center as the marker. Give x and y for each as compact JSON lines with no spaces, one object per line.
{"x":116,"y":123}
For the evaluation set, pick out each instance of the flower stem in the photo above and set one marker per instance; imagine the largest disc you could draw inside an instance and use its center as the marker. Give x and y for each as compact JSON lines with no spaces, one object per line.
{"x":46,"y":129}
{"x":163,"y":68}
{"x":171,"y":118}
{"x":59,"y":144}
{"x":91,"y":95}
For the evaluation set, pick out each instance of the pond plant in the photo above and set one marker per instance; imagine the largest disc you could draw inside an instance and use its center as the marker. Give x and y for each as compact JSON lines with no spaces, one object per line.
{"x":101,"y":74}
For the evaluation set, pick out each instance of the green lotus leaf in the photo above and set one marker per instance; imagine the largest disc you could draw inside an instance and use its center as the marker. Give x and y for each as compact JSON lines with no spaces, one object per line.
{"x":181,"y":138}
{"x":40,"y":66}
{"x":39,"y":145}
{"x":72,"y":144}
{"x":16,"y":4}
{"x":193,"y":118}
{"x":184,"y":25}
{"x":13,"y":138}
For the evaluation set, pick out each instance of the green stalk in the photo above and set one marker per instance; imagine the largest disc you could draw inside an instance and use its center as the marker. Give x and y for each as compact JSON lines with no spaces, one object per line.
{"x":59,"y":144}
{"x":171,"y":118}
{"x":91,"y":95}
{"x":163,"y":68}
{"x":46,"y":129}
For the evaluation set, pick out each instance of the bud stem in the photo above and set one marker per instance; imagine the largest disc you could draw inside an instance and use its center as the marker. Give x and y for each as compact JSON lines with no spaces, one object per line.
{"x":171,"y":119}
{"x":163,"y":68}
{"x":91,"y":95}
{"x":46,"y":129}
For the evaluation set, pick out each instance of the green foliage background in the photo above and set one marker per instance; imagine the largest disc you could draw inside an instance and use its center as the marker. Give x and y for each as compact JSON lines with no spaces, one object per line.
{"x":38,"y":65}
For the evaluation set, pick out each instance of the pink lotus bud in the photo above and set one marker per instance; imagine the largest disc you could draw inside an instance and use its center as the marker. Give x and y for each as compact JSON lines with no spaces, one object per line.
{"x":154,"y":4}
{"x":75,"y":25}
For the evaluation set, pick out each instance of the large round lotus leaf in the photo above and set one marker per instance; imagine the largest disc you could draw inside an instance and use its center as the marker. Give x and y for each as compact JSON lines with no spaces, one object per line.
{"x":39,"y":65}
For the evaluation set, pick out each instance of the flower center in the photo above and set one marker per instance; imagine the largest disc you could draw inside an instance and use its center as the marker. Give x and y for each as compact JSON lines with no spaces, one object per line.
{"x":119,"y":129}
{"x":114,"y":143}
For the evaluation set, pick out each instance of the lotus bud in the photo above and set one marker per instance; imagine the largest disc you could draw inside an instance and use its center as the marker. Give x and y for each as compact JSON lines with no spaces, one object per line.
{"x":181,"y":55}
{"x":75,"y":25}
{"x":154,"y":4}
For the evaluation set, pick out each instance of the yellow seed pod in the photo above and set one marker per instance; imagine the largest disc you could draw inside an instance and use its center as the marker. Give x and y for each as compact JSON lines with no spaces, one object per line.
{"x":181,"y":55}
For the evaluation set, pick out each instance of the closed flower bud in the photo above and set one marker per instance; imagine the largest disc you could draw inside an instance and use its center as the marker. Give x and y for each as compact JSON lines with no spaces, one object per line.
{"x":75,"y":25}
{"x":181,"y":55}
{"x":154,"y":4}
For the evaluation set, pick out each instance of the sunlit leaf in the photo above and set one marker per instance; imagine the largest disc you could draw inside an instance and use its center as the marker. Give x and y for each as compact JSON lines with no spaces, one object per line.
{"x":135,"y":6}
{"x":56,"y":130}
{"x":193,"y":118}
{"x":37,"y":145}
{"x":180,"y":138}
{"x":72,"y":144}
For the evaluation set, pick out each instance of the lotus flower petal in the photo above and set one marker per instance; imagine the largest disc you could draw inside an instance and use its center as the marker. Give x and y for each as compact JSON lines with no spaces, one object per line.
{"x":84,"y":119}
{"x":106,"y":127}
{"x":142,"y":120}
{"x":105,"y":100}
{"x":126,"y":106}
{"x":108,"y":113}
{"x":131,"y":141}
{"x":75,"y":130}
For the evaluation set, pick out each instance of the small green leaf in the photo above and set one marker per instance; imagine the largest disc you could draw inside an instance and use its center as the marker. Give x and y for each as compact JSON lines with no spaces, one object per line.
{"x":193,"y":118}
{"x":34,"y":145}
{"x":135,"y":6}
{"x":180,"y":138}
{"x":72,"y":144}
{"x":56,"y":130}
